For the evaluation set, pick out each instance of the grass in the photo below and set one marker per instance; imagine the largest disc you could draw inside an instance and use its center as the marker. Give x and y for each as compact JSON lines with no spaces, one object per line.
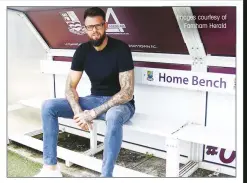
{"x":19,"y":166}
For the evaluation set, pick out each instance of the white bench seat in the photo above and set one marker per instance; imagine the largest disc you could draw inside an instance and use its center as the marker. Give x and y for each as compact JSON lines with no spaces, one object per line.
{"x":198,"y":134}
{"x":139,"y":122}
{"x":223,"y":137}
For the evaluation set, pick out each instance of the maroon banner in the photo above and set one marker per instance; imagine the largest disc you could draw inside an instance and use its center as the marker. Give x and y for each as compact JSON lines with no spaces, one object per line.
{"x":222,"y":70}
{"x":144,"y":29}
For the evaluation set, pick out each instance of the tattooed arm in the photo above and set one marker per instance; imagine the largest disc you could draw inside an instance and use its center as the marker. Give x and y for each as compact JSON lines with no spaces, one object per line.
{"x":82,"y":118}
{"x":126,"y":80}
{"x":70,"y":90}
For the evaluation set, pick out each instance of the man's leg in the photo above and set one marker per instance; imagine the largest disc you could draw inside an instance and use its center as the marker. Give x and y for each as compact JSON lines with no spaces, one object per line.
{"x":51,"y":110}
{"x":115,"y":118}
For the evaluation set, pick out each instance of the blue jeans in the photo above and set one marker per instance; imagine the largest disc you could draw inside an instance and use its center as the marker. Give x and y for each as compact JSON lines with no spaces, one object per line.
{"x":115,"y":117}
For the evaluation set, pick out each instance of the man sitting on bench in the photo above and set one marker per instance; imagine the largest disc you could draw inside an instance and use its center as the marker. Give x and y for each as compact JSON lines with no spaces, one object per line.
{"x":108,"y":63}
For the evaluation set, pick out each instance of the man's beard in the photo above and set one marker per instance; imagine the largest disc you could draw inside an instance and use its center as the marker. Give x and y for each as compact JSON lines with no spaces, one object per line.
{"x":99,"y":41}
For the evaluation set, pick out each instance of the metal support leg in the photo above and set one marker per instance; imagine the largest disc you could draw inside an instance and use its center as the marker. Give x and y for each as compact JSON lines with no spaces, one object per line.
{"x":68,"y":163}
{"x":93,"y":139}
{"x":195,"y":152}
{"x":172,"y":160}
{"x":193,"y":164}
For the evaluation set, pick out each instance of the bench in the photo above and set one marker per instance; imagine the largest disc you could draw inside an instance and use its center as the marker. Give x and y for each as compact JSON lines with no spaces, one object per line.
{"x":139,"y":122}
{"x":173,"y":133}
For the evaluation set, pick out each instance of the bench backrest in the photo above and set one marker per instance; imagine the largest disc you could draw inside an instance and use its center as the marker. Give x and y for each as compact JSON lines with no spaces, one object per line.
{"x":171,"y":104}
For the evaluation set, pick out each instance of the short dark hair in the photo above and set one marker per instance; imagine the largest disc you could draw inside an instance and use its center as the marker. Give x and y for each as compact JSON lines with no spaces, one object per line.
{"x":94,"y":11}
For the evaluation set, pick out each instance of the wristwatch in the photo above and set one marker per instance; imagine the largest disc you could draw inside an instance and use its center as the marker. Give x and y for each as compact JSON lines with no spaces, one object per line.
{"x":93,"y":113}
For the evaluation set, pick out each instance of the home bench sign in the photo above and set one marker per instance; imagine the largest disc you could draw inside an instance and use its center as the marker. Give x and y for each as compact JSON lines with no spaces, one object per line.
{"x":215,"y":82}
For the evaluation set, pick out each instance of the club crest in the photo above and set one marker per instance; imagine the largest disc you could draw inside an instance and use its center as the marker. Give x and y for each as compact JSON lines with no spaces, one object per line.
{"x":150,"y":76}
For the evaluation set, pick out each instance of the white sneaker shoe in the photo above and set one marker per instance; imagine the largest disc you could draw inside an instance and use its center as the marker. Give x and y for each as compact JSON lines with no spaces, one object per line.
{"x":46,"y":172}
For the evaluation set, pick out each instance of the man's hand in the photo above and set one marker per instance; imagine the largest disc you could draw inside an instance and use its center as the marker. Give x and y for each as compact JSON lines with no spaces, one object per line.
{"x":84,"y":119}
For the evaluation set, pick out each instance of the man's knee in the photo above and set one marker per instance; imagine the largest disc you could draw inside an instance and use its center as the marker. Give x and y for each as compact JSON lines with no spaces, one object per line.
{"x":120,"y":113}
{"x":114,"y":117}
{"x":48,"y":106}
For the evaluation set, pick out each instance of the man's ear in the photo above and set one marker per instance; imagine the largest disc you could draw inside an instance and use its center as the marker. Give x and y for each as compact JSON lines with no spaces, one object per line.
{"x":106,"y":25}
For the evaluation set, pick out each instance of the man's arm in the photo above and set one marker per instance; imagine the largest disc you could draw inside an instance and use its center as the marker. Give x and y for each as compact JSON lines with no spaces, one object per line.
{"x":126,"y":80}
{"x":70,"y":90}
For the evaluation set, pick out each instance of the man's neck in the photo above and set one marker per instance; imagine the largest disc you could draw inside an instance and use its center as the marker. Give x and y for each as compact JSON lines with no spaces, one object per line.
{"x":103,"y":45}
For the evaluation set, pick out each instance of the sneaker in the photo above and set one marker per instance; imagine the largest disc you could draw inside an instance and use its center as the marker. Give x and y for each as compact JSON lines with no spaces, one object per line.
{"x":46,"y":172}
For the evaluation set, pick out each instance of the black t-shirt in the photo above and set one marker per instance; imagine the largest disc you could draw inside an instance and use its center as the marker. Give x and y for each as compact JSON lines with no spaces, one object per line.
{"x":103,"y":67}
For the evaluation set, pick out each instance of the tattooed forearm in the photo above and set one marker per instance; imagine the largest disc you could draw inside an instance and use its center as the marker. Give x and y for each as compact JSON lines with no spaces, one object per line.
{"x":72,"y":97}
{"x":126,"y":80}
